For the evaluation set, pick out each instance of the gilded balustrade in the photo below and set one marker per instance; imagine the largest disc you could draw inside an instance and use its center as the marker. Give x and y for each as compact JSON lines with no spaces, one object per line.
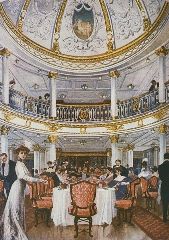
{"x":85,"y":113}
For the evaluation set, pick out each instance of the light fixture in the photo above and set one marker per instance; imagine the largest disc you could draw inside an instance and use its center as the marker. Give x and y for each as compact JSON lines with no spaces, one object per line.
{"x":62,"y":95}
{"x":84,"y":86}
{"x":147,"y":59}
{"x":35,"y":86}
{"x":38,"y":134}
{"x":130,"y":86}
{"x":153,"y":130}
{"x":129,"y":67}
{"x":83,"y":142}
{"x":15,"y":130}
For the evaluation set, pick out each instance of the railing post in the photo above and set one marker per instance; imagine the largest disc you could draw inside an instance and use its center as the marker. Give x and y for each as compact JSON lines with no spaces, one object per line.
{"x":5,"y":74}
{"x":52,"y":77}
{"x":114,"y":140}
{"x":113,"y":75}
{"x":162,"y":53}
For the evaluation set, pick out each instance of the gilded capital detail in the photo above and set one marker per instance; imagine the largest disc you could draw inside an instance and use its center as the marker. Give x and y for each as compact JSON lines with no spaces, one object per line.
{"x":36,"y":147}
{"x":4,"y":130}
{"x":5,"y":52}
{"x":114,"y":138}
{"x":114,"y":74}
{"x":163,"y":129}
{"x":52,"y":138}
{"x":162,"y":51}
{"x":52,"y":75}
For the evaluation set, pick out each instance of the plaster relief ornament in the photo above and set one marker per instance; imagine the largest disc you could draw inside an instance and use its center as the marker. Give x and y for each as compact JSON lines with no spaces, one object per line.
{"x":83,"y":21}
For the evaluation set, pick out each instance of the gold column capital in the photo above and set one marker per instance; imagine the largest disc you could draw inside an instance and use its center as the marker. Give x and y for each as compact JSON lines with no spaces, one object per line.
{"x":163,"y":128}
{"x":162,"y":51}
{"x":5,"y":52}
{"x":36,"y":147}
{"x":114,"y":138}
{"x":130,"y":147}
{"x":114,"y":74}
{"x":52,"y":75}
{"x":4,"y":130}
{"x":52,"y":138}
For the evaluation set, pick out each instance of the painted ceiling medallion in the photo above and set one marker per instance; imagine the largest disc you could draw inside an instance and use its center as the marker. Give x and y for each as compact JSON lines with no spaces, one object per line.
{"x":83,"y":21}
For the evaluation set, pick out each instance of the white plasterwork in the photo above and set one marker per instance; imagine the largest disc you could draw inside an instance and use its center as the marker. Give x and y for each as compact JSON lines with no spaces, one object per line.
{"x":13,"y":8}
{"x":153,"y":8}
{"x":126,"y":21}
{"x":70,"y":44}
{"x":40,"y":21}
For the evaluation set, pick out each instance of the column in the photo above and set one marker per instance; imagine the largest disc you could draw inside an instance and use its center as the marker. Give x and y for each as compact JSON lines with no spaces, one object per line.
{"x":108,"y":152}
{"x":42,"y":159}
{"x":11,"y":156}
{"x":162,"y":132}
{"x":156,"y":156}
{"x":114,"y":140}
{"x":5,"y":75}
{"x":52,"y":77}
{"x":113,"y":75}
{"x":52,"y":147}
{"x":36,"y":149}
{"x":162,"y":53}
{"x":4,"y":139}
{"x":130,"y":148}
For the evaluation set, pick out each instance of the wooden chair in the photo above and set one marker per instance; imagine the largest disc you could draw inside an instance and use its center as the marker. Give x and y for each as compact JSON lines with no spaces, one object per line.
{"x":2,"y":195}
{"x":41,"y":201}
{"x":83,"y":207}
{"x":152,"y":192}
{"x":126,"y":206}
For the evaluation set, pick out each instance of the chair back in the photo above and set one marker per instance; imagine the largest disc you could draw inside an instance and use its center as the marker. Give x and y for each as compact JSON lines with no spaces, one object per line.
{"x":1,"y":186}
{"x":83,"y":193}
{"x":153,"y":183}
{"x":132,"y":187}
{"x":144,"y":185}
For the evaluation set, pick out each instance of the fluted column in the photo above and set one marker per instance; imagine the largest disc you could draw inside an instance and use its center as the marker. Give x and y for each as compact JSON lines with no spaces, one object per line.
{"x":36,"y":149}
{"x":52,"y":77}
{"x":5,"y":74}
{"x":42,"y":159}
{"x":52,"y":147}
{"x":108,"y":151}
{"x":114,"y":140}
{"x":113,"y":75}
{"x":162,"y":135}
{"x":156,"y":156}
{"x":130,"y":148}
{"x":162,"y":53}
{"x":4,"y":139}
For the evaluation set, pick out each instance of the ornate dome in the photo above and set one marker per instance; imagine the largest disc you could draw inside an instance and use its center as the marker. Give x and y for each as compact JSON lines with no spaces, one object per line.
{"x":89,"y":35}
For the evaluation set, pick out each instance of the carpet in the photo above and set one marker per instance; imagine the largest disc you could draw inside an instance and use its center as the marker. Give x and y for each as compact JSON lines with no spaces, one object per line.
{"x":152,"y":225}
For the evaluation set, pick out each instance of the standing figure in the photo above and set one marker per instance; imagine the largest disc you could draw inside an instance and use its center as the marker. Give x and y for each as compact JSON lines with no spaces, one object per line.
{"x":7,"y":172}
{"x":163,"y":171}
{"x":12,"y":223}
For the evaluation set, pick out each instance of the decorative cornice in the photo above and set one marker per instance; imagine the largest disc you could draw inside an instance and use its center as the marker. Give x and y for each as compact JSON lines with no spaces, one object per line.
{"x":130,"y":147}
{"x":5,"y":52}
{"x":4,"y":130}
{"x":146,"y":24}
{"x":8,"y":116}
{"x":52,"y":75}
{"x":162,"y":51}
{"x":52,"y":139}
{"x":114,"y":138}
{"x":36,"y":147}
{"x":83,"y":154}
{"x":114,"y":74}
{"x":114,"y":126}
{"x":163,"y":129}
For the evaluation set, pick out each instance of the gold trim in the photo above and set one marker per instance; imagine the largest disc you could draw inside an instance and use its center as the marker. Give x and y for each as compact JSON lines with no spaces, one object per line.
{"x":22,"y":15}
{"x":52,"y":75}
{"x":114,"y":74}
{"x":8,"y":117}
{"x":160,"y":114}
{"x":36,"y":147}
{"x":163,"y":129}
{"x":5,"y":52}
{"x":4,"y":130}
{"x":83,"y":154}
{"x":85,"y":59}
{"x":162,"y":51}
{"x":114,"y":138}
{"x":145,"y":16}
{"x":52,"y":139}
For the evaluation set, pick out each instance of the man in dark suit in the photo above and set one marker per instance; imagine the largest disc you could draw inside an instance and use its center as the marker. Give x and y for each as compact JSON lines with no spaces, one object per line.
{"x":124,"y":171}
{"x":7,"y":172}
{"x":163,"y":170}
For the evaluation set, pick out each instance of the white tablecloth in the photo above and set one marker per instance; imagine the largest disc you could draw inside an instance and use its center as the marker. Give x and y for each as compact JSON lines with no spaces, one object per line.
{"x":105,"y":199}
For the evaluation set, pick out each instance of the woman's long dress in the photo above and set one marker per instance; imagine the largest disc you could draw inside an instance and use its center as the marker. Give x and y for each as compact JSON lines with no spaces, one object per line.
{"x":12,"y":224}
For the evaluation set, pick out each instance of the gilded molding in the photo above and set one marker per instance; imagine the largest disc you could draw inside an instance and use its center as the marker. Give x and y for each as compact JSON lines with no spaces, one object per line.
{"x":5,"y":52}
{"x":114,"y":138}
{"x":160,"y":114}
{"x":82,"y":130}
{"x":114,"y":74}
{"x":85,"y":59}
{"x":36,"y":147}
{"x":145,"y":16}
{"x":22,"y":15}
{"x":114,"y":126}
{"x":52,"y":75}
{"x":130,"y":147}
{"x":52,"y":139}
{"x":163,"y":129}
{"x":58,"y":26}
{"x":108,"y":26}
{"x":4,"y":130}
{"x":162,"y":51}
{"x":83,"y":154}
{"x":146,"y":24}
{"x":8,"y":116}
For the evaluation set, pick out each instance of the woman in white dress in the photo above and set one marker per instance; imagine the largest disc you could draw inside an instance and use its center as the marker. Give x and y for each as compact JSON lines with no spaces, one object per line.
{"x":12,"y":224}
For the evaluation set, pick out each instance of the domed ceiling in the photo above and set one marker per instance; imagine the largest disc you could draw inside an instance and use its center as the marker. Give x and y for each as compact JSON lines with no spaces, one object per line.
{"x":89,"y":34}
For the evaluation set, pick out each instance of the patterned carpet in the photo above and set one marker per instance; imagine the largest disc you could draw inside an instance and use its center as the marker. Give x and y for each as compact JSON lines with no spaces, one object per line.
{"x":152,"y":225}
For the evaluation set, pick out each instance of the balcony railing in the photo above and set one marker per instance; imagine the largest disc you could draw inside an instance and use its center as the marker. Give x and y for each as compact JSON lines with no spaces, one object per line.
{"x":86,"y":113}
